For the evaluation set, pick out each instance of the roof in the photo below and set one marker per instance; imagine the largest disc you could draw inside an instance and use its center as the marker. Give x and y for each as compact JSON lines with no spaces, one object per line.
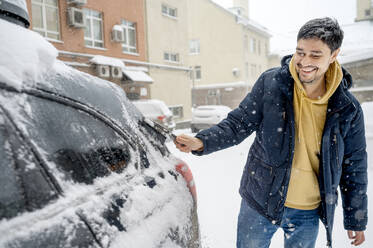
{"x":245,"y":21}
{"x":137,"y":76}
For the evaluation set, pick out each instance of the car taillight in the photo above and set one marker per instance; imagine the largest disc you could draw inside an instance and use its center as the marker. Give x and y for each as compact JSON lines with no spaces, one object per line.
{"x":185,"y":171}
{"x":162,"y":118}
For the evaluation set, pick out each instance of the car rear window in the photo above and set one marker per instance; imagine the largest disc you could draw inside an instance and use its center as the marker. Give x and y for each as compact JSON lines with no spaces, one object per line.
{"x":76,"y":142}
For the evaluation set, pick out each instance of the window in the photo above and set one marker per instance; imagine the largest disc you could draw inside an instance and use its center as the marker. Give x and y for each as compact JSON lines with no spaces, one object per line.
{"x":177,"y":111}
{"x":129,"y":43}
{"x":253,"y":45}
{"x":259,"y":47}
{"x":194,"y":47}
{"x":266,"y":48}
{"x":253,"y":70}
{"x":93,"y":35}
{"x":171,"y":57}
{"x":45,"y":18}
{"x":25,"y":185}
{"x":83,"y":148}
{"x":367,"y":12}
{"x":245,"y":43}
{"x":169,"y":11}
{"x":198,"y":72}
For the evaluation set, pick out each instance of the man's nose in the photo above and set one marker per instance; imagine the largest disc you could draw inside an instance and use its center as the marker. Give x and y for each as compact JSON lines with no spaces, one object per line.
{"x":305,"y":61}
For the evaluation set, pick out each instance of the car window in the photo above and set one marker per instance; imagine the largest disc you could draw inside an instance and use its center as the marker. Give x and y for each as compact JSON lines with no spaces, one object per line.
{"x":80,"y":145}
{"x":23,"y":183}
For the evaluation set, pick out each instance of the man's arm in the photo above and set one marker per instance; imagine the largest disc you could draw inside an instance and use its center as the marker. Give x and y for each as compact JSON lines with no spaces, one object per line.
{"x":238,"y":125}
{"x":354,"y":180}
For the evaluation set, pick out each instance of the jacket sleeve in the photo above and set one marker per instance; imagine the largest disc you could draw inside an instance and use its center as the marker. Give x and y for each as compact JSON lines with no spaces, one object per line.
{"x":238,"y":125}
{"x":354,"y":179}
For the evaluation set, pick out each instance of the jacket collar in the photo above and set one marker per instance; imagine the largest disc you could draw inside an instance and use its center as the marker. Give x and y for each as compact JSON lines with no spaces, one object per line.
{"x":337,"y":101}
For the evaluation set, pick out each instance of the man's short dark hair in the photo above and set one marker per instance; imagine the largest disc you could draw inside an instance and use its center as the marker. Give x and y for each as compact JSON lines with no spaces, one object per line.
{"x":326,"y":29}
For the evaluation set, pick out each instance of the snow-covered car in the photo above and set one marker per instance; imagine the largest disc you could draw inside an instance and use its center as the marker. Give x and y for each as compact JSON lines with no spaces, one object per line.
{"x":79,"y":165}
{"x":157,"y":111}
{"x":206,"y":116}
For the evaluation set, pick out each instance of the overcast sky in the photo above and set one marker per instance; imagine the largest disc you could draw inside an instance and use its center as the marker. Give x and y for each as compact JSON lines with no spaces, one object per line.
{"x":289,"y":15}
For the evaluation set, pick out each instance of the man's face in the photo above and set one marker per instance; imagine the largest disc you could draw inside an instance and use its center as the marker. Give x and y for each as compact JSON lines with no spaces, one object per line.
{"x":312,"y":59}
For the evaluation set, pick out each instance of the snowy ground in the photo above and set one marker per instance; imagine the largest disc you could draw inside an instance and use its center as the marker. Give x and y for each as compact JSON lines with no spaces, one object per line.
{"x":217,"y":178}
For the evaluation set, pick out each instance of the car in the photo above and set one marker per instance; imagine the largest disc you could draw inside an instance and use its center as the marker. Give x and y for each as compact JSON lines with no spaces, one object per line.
{"x":80,"y":166}
{"x":206,"y":116}
{"x":157,"y":111}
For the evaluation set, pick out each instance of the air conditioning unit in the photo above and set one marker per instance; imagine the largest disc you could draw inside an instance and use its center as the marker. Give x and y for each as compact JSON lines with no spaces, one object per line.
{"x":103,"y":71}
{"x":76,"y":17}
{"x":116,"y":72}
{"x":77,"y":2}
{"x":117,"y":34}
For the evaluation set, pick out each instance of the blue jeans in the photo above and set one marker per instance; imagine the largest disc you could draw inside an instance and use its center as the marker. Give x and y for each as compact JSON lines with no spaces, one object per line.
{"x":255,"y":231}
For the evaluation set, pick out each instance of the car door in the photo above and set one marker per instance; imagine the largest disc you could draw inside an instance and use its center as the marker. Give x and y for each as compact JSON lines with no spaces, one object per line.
{"x":29,"y":196}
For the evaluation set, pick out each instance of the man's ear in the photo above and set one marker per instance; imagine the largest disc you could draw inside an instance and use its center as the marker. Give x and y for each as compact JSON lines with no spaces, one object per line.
{"x":334,"y":55}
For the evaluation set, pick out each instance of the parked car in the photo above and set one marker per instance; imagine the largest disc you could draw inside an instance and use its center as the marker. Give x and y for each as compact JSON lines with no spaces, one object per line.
{"x":206,"y":116}
{"x":157,"y":111}
{"x":79,"y":165}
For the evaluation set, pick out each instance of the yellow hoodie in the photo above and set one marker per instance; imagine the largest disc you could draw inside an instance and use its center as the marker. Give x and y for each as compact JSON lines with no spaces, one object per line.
{"x":310,"y":114}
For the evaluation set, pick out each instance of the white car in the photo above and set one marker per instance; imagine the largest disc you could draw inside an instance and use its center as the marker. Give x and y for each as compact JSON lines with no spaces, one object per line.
{"x":156,"y":110}
{"x":208,"y":115}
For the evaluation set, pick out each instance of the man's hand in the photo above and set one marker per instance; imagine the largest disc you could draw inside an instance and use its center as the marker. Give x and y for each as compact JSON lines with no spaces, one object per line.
{"x":357,"y":236}
{"x":187,"y":143}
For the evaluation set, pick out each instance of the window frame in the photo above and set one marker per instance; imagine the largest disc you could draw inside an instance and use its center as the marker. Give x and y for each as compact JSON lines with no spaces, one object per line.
{"x":167,"y":9}
{"x":44,"y":31}
{"x":194,"y":47}
{"x":197,"y":71}
{"x":169,"y":57}
{"x":127,"y":26}
{"x":89,"y":18}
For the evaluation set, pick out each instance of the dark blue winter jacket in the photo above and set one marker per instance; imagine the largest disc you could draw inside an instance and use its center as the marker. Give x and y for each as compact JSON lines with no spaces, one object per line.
{"x":268,"y":110}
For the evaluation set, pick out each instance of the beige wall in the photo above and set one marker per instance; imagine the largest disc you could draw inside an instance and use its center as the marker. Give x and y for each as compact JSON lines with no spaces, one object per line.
{"x":222,"y":45}
{"x":361,"y":7}
{"x":166,"y":34}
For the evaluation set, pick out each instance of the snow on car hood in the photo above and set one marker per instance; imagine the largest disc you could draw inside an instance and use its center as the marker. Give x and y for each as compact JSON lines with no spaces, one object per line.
{"x":25,"y":55}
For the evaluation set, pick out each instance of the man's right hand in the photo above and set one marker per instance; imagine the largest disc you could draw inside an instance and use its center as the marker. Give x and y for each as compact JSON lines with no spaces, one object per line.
{"x":186,"y":143}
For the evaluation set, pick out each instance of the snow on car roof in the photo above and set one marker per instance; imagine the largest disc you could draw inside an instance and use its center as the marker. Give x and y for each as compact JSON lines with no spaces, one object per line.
{"x":25,"y":55}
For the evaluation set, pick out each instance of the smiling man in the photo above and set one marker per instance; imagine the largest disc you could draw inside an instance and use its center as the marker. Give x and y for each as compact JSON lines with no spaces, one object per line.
{"x":310,"y":139}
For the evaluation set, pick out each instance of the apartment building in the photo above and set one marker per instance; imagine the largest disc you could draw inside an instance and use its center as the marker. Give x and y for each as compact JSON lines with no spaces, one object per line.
{"x":364,"y":9}
{"x":167,"y":43}
{"x":228,"y":52}
{"x":103,"y":38}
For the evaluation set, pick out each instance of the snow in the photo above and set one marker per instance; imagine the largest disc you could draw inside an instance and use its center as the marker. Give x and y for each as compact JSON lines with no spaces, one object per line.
{"x":357,"y":43}
{"x":217,"y":177}
{"x":138,"y":76}
{"x":25,"y":56}
{"x":222,"y":85}
{"x":103,"y":60}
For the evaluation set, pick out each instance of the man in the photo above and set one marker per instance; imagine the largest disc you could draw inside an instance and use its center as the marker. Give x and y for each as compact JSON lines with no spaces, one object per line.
{"x":310,"y":138}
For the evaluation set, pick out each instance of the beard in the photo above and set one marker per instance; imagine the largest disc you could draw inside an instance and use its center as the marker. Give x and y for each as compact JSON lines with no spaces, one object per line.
{"x":310,"y":80}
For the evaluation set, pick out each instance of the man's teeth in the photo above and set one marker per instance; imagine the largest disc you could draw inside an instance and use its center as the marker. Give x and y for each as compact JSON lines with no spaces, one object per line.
{"x":308,"y":70}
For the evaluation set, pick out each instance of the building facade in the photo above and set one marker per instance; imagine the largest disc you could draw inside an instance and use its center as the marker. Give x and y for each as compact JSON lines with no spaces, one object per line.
{"x":105,"y":40}
{"x":364,"y":10}
{"x":167,"y":43}
{"x":228,"y":52}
